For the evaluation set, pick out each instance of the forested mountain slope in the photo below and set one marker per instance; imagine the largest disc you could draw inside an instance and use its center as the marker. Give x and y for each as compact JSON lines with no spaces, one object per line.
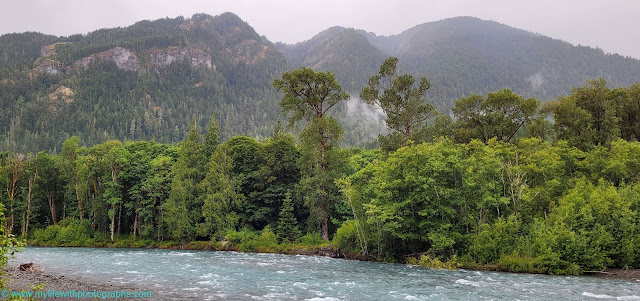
{"x":148,"y":80}
{"x":145,"y":81}
{"x":466,"y":55}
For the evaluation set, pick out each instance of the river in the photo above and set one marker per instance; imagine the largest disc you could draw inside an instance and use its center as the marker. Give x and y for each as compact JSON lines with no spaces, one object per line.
{"x":205,"y":275}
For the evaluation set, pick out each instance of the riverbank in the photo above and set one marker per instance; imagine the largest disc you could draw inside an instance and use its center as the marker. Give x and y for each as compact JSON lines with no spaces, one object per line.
{"x":48,"y":283}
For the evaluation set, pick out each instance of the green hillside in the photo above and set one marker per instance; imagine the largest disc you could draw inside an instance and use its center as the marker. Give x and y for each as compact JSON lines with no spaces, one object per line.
{"x":148,"y":80}
{"x":145,"y":81}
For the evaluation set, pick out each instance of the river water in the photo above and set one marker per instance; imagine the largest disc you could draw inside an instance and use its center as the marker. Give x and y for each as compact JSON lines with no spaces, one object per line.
{"x":204,"y":275}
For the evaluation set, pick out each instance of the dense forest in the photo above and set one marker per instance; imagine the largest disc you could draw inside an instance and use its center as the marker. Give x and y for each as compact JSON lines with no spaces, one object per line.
{"x":507,"y":182}
{"x":148,"y":80}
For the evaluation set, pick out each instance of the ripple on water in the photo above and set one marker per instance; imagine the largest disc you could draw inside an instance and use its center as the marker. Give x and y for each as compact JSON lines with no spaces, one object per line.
{"x":468,"y":282}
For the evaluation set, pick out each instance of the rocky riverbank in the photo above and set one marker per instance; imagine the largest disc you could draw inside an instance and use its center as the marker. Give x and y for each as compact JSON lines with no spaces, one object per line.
{"x":18,"y":280}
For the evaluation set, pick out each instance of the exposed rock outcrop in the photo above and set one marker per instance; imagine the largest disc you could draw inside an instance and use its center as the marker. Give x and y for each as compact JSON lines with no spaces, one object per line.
{"x":123,"y":58}
{"x":50,"y":66}
{"x":162,"y":58}
{"x":63,"y":93}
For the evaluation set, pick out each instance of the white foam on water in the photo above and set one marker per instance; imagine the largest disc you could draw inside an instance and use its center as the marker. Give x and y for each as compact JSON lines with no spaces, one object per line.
{"x":410,"y":297}
{"x":280,"y":272}
{"x":133,"y":272}
{"x":468,"y":282}
{"x":632,"y":297}
{"x":592,"y":295}
{"x":323,"y":299}
{"x":206,"y":282}
{"x":192,"y":289}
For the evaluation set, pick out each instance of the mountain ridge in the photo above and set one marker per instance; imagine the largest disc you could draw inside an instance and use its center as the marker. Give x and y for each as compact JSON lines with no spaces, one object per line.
{"x":148,"y":80}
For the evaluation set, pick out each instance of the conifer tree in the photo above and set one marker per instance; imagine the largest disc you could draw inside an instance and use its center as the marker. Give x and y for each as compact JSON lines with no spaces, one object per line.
{"x":287,"y":224}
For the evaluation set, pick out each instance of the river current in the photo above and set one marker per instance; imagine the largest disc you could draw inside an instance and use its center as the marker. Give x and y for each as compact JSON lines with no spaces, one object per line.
{"x":205,"y":275}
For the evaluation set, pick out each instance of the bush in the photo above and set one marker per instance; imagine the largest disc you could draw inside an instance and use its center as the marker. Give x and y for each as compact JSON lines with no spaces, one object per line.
{"x":433,"y":262}
{"x":46,"y":235}
{"x":267,"y":241}
{"x":244,"y":240}
{"x":312,"y":239}
{"x":346,"y":238}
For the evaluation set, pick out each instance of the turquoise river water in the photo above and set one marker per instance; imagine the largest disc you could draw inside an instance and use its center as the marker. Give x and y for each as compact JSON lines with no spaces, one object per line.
{"x":204,"y":275}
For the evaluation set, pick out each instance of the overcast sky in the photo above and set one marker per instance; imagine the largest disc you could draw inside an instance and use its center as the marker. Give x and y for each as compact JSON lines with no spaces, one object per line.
{"x":612,"y":25}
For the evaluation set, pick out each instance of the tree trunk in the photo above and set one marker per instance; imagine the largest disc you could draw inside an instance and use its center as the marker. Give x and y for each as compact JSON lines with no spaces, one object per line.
{"x":79,"y":199}
{"x":32,"y":179}
{"x":119,"y":218}
{"x":325,"y":228}
{"x":52,"y":206}
{"x":135,"y":225}
{"x":113,"y":220}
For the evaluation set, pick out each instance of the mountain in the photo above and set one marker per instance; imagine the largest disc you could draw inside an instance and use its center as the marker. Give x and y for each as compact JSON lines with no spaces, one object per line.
{"x":146,"y":81}
{"x":149,"y":80}
{"x":466,"y":55}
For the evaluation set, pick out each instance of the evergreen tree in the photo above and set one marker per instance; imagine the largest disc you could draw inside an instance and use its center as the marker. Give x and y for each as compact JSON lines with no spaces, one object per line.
{"x":221,"y":197}
{"x":211,"y":138}
{"x":287,"y":224}
{"x":182,"y":211}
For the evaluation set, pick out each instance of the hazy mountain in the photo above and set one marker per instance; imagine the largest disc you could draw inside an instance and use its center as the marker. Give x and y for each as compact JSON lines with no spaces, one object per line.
{"x":148,"y":80}
{"x":466,"y":55}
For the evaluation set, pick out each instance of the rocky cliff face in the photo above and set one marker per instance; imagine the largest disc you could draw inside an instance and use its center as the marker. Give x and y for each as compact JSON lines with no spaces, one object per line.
{"x":162,"y":58}
{"x":50,"y":66}
{"x":47,"y":63}
{"x":123,"y":58}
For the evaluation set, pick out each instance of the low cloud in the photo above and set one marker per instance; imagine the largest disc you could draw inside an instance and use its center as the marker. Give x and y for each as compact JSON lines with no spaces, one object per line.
{"x":358,"y":109}
{"x":536,"y":80}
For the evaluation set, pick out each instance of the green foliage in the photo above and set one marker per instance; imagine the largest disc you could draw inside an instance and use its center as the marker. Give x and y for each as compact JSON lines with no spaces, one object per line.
{"x":69,"y":232}
{"x":347,"y":238}
{"x":308,"y":96}
{"x":433,"y":262}
{"x":501,"y":115}
{"x":402,"y":103}
{"x":287,"y":224}
{"x":312,"y":239}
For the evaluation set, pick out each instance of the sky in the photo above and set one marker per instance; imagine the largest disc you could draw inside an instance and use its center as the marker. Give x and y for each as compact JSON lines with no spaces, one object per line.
{"x":611,"y":25}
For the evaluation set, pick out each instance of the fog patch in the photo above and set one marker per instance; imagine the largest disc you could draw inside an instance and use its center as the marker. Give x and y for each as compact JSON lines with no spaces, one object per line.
{"x":360,"y":110}
{"x":536,"y":80}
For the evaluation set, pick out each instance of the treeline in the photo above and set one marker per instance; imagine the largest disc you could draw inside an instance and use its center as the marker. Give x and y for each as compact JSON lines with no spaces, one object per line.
{"x":501,"y":185}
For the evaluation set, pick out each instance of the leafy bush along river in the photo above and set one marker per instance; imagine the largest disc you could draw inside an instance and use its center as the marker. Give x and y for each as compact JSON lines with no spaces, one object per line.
{"x":501,"y":187}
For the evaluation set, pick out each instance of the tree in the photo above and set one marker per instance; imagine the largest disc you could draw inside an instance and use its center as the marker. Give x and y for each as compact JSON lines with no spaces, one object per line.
{"x":31,"y":169}
{"x":287,"y":224}
{"x":68,"y":166}
{"x":501,"y":115}
{"x":115,"y":159}
{"x":180,"y":212}
{"x":221,"y":198}
{"x":13,"y":170}
{"x":50,"y":181}
{"x":400,"y":100}
{"x":308,"y":95}
{"x":588,"y":117}
{"x":211,"y":138}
